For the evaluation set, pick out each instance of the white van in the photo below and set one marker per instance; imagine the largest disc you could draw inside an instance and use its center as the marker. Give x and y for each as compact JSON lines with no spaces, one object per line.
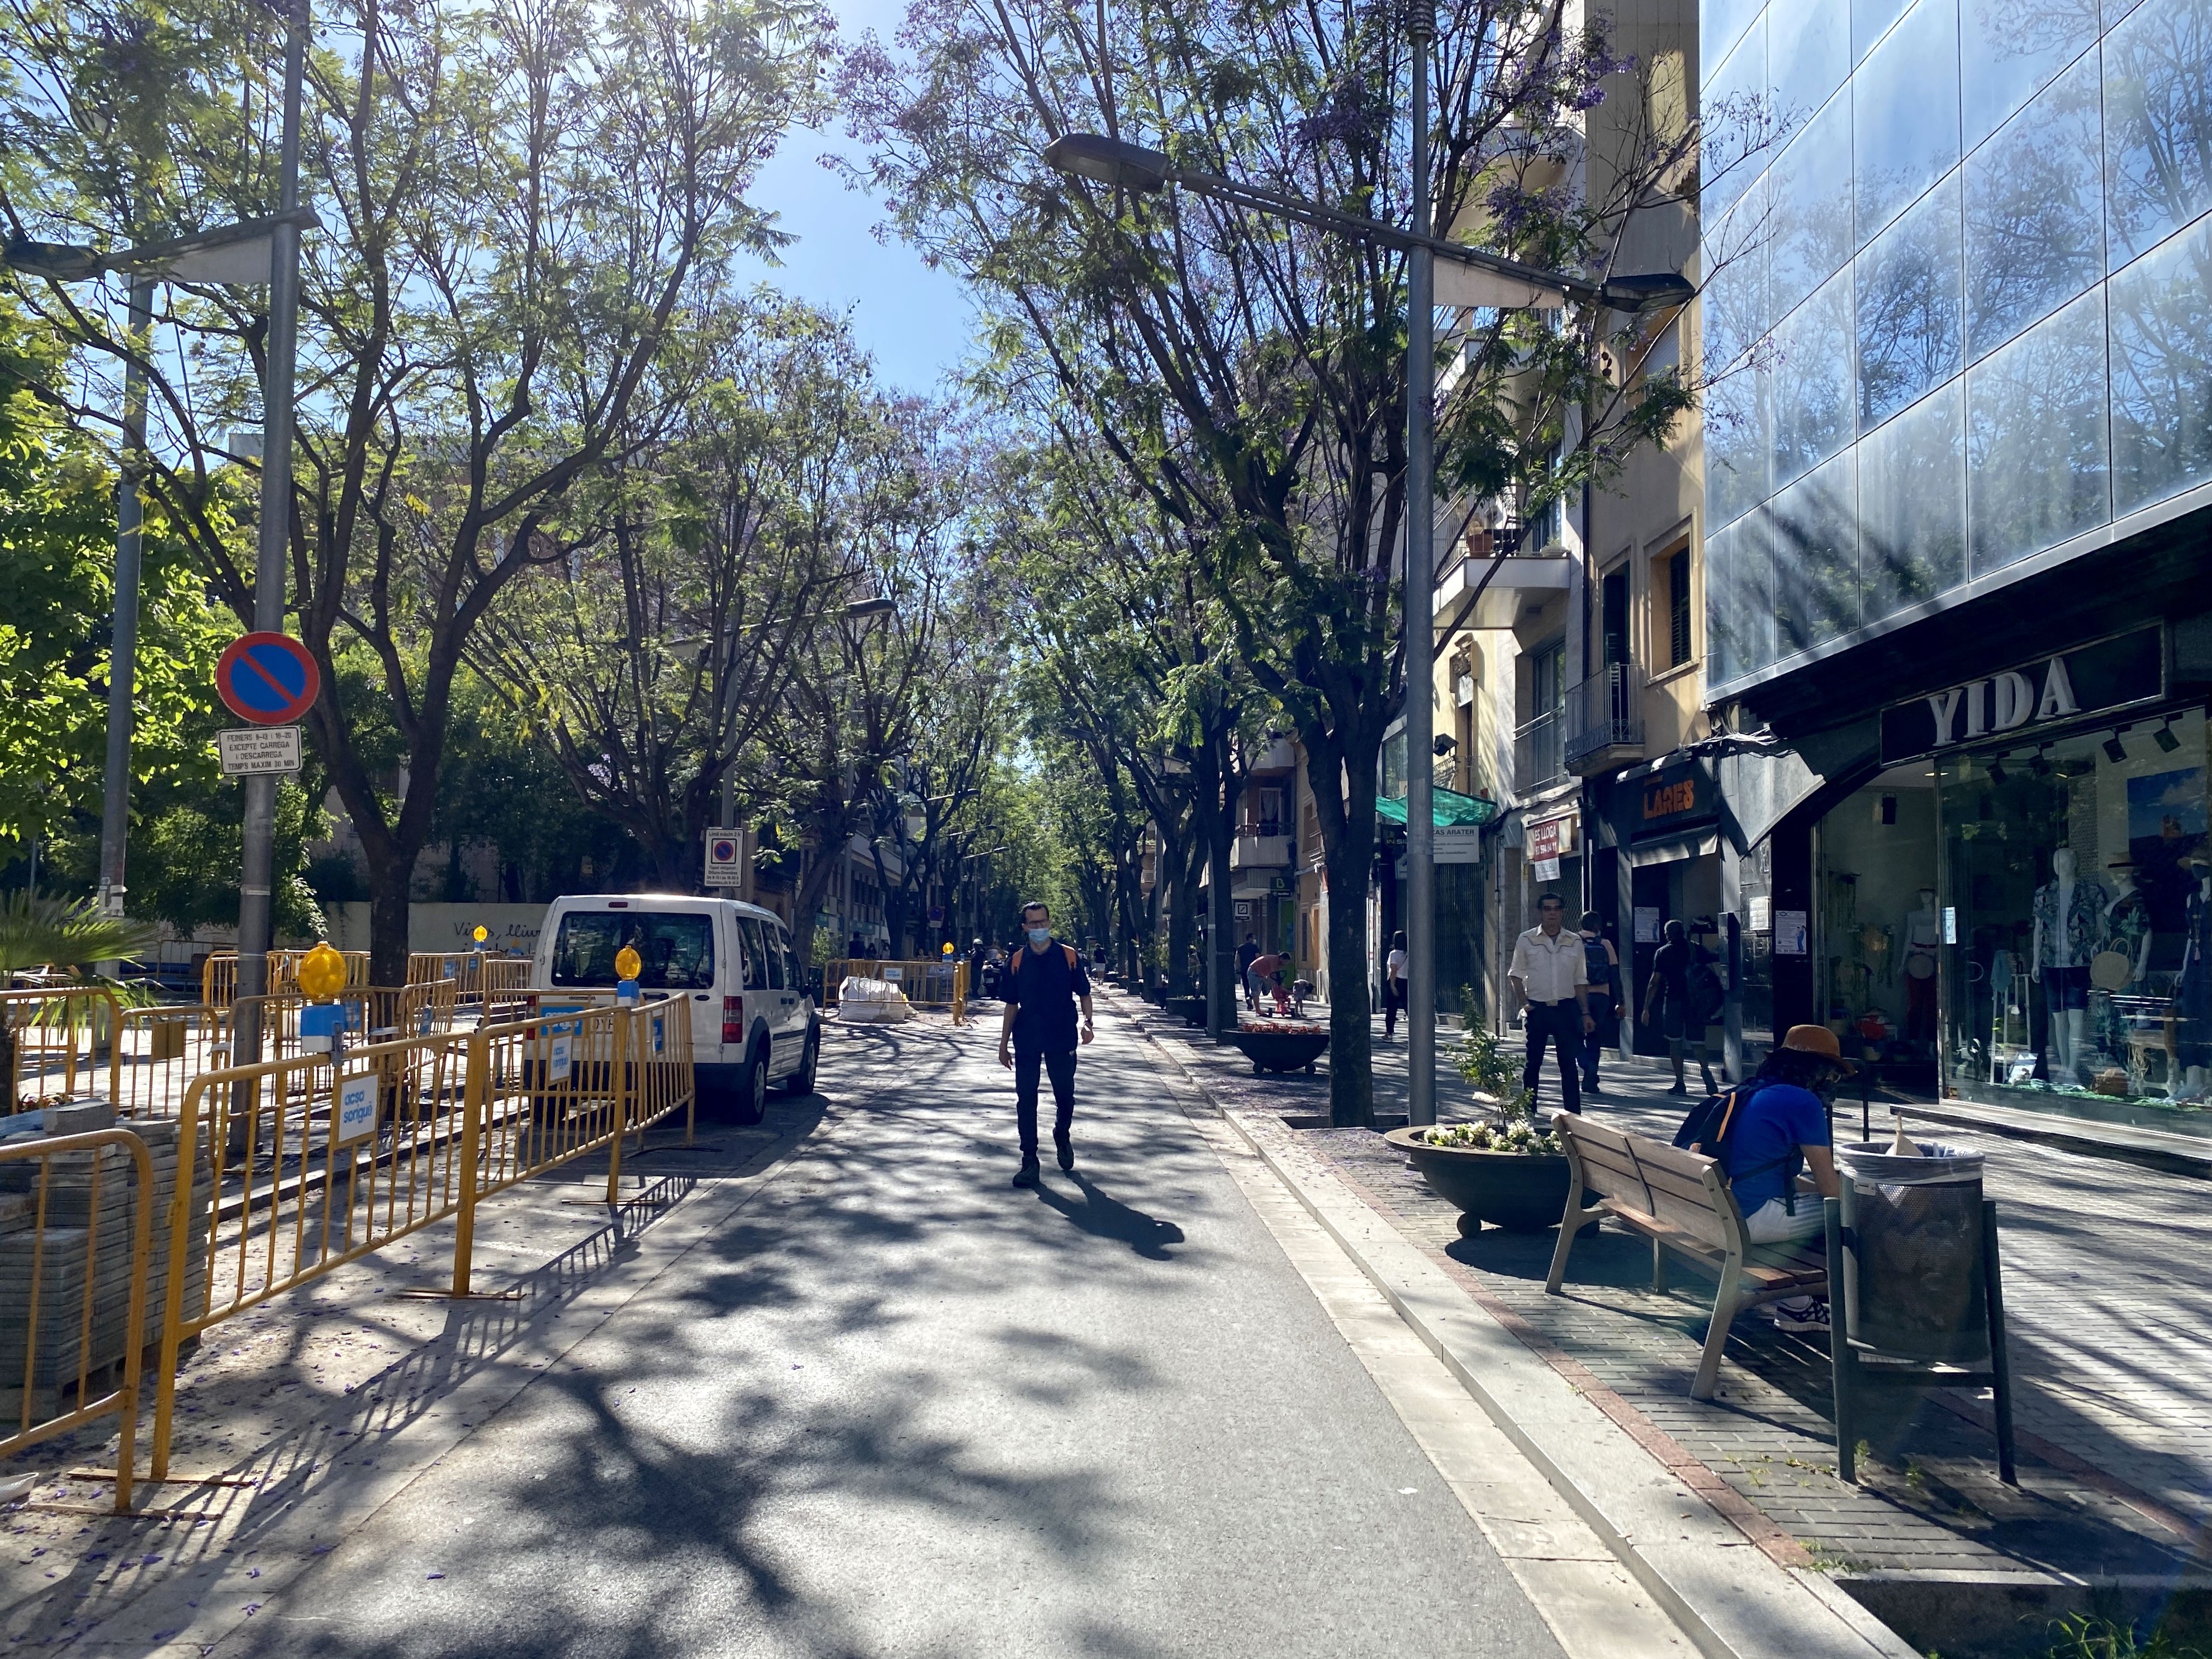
{"x":752,"y":1020}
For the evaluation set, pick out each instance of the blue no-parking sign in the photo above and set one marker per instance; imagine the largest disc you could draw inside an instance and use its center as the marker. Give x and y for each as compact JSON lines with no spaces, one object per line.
{"x":267,"y":679}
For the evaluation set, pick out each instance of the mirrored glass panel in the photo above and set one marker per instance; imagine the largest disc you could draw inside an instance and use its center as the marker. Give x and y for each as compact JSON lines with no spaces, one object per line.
{"x":1909,"y":304}
{"x":1811,"y":374}
{"x":1734,"y":253}
{"x":1813,"y":529}
{"x":1737,"y":111}
{"x":1869,"y":18}
{"x":2038,"y":469}
{"x":1807,"y":54}
{"x":2162,"y":370}
{"x":2158,"y":123}
{"x":1719,"y":23}
{"x":1912,"y":505}
{"x":2034,"y":212}
{"x":2009,"y":49}
{"x":1905,"y":123}
{"x":1735,"y":443}
{"x":1725,"y":659}
{"x":1750,"y":611}
{"x":1809,"y":224}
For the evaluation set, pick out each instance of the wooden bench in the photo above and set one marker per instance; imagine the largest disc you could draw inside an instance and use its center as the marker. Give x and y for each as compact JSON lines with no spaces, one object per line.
{"x":1681,"y":1202}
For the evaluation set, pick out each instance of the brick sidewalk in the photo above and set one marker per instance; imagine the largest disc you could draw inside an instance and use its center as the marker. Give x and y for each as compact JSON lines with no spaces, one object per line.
{"x":2107,"y":1293}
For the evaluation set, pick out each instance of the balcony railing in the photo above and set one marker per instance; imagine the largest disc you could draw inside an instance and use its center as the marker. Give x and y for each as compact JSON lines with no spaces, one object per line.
{"x":1605,"y":713}
{"x":1261,"y":852}
{"x":1539,"y":752}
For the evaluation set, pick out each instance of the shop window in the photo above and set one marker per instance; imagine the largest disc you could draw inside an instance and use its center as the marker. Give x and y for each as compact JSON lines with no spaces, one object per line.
{"x":2076,"y":888}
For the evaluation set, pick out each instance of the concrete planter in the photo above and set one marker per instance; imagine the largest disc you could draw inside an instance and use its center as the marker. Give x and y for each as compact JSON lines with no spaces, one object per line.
{"x":1520,"y":1192}
{"x":1279,"y":1051}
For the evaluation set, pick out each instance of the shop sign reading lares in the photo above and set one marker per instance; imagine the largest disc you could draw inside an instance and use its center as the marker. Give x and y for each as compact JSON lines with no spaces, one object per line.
{"x":2110,"y":675}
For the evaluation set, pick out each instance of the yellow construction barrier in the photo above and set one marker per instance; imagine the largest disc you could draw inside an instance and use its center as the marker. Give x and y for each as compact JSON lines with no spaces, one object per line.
{"x":218,"y":974}
{"x":73,"y":1319}
{"x":928,"y":983}
{"x":483,"y":983}
{"x":315,"y":1165}
{"x":59,"y":1042}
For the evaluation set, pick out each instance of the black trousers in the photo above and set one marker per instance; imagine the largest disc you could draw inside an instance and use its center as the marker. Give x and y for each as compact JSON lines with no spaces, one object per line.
{"x":1062,"y":1066}
{"x":1559,"y":1023}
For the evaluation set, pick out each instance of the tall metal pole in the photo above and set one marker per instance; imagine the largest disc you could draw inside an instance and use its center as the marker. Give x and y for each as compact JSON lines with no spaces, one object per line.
{"x":272,"y":555}
{"x":1420,"y":621}
{"x":123,"y":649}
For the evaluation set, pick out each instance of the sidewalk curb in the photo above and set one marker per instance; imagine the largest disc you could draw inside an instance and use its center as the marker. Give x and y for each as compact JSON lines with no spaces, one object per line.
{"x":1728,"y":1596}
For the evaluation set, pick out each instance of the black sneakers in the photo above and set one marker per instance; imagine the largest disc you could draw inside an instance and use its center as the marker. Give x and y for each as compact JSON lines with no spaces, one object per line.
{"x":1066,"y":1153}
{"x":1029,"y":1173}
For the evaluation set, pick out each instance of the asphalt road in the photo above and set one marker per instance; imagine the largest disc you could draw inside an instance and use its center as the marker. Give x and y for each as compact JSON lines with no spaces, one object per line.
{"x":898,"y":1407}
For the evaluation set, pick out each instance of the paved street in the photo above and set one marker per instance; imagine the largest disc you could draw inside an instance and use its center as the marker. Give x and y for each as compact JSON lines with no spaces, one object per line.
{"x":899,"y":1407}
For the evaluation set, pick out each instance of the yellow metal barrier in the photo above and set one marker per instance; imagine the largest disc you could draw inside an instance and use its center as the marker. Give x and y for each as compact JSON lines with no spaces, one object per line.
{"x":219,"y":975}
{"x":54,"y":1041}
{"x":73,"y":1322}
{"x":164,"y":1048}
{"x":928,"y":982}
{"x":482,"y":982}
{"x":316,"y":1165}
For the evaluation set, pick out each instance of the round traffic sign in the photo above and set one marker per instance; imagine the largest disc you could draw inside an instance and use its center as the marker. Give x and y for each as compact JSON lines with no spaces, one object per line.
{"x":267,"y":679}
{"x":723,"y":850}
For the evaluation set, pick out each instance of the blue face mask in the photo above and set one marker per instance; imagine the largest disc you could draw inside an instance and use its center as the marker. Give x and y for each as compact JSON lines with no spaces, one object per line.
{"x":1040,"y":937}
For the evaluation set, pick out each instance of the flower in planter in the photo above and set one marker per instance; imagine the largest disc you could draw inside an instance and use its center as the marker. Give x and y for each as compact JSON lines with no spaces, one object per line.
{"x":1495,"y":1075}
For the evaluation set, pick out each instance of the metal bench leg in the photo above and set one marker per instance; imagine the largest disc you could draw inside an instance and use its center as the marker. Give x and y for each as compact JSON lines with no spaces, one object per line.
{"x":1843,"y":1362}
{"x":1725,"y":1305}
{"x":2000,"y":1362}
{"x":1658,"y":1268}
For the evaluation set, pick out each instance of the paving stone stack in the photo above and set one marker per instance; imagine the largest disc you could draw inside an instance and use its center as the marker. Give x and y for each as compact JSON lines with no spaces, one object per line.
{"x":60,"y":1254}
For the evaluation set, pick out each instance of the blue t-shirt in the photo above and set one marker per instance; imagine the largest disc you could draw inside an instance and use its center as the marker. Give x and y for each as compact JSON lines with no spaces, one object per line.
{"x":1763,"y":1144}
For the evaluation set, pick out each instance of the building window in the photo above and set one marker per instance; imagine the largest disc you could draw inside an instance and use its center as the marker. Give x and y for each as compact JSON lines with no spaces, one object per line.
{"x":1670,"y":603}
{"x":1615,"y":607}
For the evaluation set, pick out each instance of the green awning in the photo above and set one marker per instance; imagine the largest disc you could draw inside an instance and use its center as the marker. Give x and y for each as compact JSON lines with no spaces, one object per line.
{"x":1447,"y":806}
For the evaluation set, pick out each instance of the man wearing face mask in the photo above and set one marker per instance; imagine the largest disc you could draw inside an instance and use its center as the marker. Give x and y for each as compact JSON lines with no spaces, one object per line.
{"x":1041,"y":988}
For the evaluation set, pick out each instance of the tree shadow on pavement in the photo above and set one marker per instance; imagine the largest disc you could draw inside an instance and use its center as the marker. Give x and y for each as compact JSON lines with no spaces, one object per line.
{"x":1104,"y":1216}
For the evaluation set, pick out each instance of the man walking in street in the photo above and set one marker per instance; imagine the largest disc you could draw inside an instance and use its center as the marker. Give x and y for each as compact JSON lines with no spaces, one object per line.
{"x":1548,"y":970}
{"x":1041,"y":988}
{"x":1247,"y":954}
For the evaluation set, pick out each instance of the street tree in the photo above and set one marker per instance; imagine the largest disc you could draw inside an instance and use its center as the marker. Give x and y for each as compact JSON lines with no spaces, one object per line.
{"x":653,"y":659}
{"x":525,"y":205}
{"x":1248,"y":373}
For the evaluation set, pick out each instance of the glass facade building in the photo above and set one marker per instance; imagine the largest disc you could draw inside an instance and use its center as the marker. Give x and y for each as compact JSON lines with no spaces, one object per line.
{"x":1957,"y":271}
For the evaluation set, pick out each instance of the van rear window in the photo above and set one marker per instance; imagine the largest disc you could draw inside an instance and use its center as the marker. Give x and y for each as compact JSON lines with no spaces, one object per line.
{"x":677,"y":951}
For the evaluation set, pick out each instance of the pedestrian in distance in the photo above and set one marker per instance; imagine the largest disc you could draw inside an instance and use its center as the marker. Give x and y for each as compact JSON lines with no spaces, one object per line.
{"x":1602,"y":967}
{"x":1673,"y":1005}
{"x":1043,"y":981}
{"x":1393,"y":984}
{"x":1247,"y":954}
{"x":1551,"y":973}
{"x":975,"y":970}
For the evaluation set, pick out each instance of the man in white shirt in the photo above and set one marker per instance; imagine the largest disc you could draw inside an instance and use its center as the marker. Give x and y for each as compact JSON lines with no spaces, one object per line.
{"x":1549,"y":971}
{"x":1393,"y":984}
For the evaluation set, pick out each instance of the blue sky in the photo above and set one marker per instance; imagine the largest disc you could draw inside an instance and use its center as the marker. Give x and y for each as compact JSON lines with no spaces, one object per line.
{"x":914,"y":321}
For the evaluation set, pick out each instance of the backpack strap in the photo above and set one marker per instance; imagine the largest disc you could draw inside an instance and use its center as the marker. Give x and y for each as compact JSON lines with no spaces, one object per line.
{"x":1070,"y":950}
{"x":1014,"y":962}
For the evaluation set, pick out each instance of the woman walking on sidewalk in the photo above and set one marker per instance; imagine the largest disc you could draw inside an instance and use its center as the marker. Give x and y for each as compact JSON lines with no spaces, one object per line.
{"x":1601,"y":963}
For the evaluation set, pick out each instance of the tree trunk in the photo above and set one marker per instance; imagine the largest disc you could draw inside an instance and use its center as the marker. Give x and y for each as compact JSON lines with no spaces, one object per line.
{"x":1217,"y":828}
{"x":388,"y":904}
{"x":1183,"y":914}
{"x":1348,"y":850}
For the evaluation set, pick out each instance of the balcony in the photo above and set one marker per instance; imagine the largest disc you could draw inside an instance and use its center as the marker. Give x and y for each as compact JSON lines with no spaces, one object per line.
{"x":1605,"y":721}
{"x":1539,"y":753}
{"x":1484,"y":592}
{"x":1262,"y":852}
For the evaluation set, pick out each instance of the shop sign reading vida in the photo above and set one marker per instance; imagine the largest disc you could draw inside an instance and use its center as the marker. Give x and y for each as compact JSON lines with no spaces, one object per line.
{"x":2109,"y":675}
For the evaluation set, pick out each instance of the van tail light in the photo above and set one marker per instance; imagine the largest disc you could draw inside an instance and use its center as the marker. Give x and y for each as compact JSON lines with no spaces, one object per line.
{"x":733,"y":1020}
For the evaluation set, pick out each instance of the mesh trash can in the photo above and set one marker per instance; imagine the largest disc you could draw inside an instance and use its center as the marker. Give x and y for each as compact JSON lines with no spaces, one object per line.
{"x":1913,"y":1283}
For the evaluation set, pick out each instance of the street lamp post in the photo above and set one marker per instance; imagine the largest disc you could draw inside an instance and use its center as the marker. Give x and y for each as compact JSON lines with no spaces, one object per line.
{"x":256,"y":915}
{"x":1438,"y":271}
{"x":237,"y":254}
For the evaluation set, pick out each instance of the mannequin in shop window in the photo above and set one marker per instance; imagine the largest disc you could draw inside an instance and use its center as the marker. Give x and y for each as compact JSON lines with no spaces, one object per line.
{"x":1922,"y":934}
{"x":2192,"y":992}
{"x":2069,"y":913}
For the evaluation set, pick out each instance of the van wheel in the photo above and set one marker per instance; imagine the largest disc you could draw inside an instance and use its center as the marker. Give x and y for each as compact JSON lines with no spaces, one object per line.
{"x":801,"y":1081}
{"x":752,"y":1090}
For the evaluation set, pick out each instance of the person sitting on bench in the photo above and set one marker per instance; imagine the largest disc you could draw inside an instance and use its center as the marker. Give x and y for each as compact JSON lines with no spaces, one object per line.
{"x":1781,"y":1127}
